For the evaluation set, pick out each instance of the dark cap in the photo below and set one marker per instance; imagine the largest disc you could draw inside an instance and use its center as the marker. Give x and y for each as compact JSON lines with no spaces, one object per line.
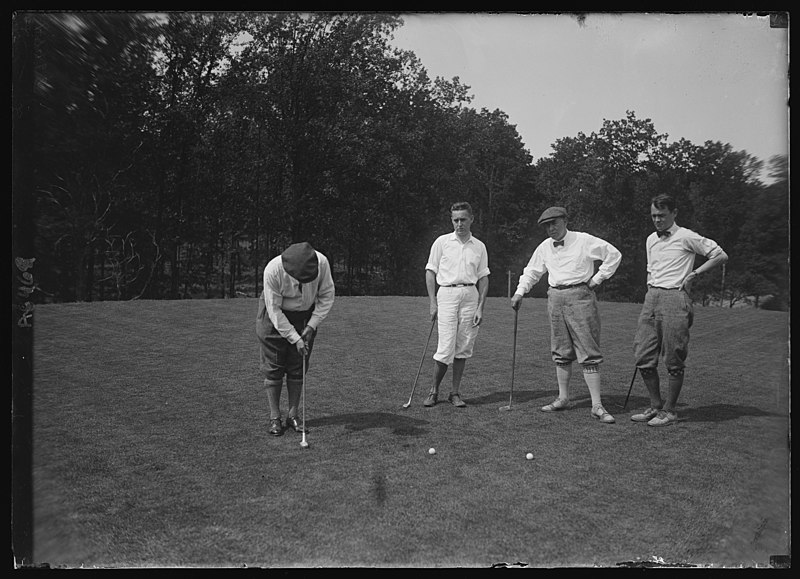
{"x":300,"y":261}
{"x":552,"y":213}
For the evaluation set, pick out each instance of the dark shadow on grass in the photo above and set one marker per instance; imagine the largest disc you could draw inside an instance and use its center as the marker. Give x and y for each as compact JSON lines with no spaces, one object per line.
{"x":722,"y":412}
{"x":520,"y":396}
{"x":710,"y":413}
{"x":359,"y":421}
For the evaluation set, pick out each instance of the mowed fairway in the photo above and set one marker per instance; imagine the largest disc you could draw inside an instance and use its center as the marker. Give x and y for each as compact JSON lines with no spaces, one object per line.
{"x":151,"y":444}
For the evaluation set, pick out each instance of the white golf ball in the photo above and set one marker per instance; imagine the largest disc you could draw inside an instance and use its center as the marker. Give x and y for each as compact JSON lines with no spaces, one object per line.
{"x":431,"y":450}
{"x":529,"y":456}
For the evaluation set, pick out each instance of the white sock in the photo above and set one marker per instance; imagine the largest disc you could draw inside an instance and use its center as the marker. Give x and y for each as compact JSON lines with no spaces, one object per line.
{"x":563,"y":375}
{"x":593,"y":382}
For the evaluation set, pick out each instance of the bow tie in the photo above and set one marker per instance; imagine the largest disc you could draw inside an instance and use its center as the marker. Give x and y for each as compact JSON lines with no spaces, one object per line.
{"x":557,"y":243}
{"x":664,"y":233}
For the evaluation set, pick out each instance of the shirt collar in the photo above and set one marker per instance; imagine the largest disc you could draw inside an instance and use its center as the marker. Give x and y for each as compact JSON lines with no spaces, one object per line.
{"x":567,"y":237}
{"x":454,"y":237}
{"x":671,"y":230}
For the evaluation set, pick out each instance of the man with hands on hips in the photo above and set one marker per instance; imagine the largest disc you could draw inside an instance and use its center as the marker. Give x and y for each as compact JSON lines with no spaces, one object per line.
{"x":569,"y":257}
{"x":668,"y":313}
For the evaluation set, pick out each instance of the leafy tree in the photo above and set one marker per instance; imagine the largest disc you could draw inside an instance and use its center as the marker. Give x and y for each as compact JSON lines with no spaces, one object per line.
{"x":89,"y":139}
{"x":760,"y":264}
{"x":192,"y":51}
{"x":182,"y":151}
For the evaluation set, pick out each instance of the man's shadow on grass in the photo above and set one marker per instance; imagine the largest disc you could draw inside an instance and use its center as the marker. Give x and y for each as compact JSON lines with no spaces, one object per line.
{"x":503,"y":397}
{"x":360,"y":421}
{"x":710,"y":413}
{"x":402,"y":425}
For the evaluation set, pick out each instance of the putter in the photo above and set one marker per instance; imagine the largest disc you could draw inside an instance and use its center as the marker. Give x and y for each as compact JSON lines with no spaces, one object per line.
{"x":513,"y":362}
{"x":407,"y":404}
{"x":303,"y":442}
{"x":624,"y":406}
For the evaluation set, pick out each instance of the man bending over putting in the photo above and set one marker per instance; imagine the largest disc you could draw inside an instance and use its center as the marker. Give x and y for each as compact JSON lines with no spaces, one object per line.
{"x":298,"y":295}
{"x":459,"y":264}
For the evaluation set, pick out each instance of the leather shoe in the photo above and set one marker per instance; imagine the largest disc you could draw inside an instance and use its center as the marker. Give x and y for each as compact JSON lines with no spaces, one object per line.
{"x":602,"y":414}
{"x":455,"y":400}
{"x":646,"y":416}
{"x":275,"y":427}
{"x":294,"y":422}
{"x":432,"y":399}
{"x":555,"y":405}
{"x":664,"y":418}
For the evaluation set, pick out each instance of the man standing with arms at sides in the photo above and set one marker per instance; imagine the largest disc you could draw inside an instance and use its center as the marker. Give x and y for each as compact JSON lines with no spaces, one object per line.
{"x":667,"y":313}
{"x":298,"y":295}
{"x":568,"y":257}
{"x":459,"y":264}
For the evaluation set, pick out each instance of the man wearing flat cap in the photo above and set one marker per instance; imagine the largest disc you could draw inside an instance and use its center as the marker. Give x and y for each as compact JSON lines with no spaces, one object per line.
{"x":298,"y":295}
{"x":568,"y":257}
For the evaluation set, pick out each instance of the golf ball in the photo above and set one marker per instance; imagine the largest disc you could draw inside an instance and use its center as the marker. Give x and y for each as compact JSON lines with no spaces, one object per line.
{"x":431,"y":450}
{"x":529,"y":456}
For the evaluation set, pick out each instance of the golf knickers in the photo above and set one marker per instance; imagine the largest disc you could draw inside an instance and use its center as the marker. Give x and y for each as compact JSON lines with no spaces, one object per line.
{"x":278,"y":357}
{"x":456,"y":310}
{"x":667,"y":315}
{"x":574,"y":325}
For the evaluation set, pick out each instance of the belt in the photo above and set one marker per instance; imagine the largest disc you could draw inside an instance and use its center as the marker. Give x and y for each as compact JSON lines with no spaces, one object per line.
{"x":459,"y":285}
{"x":563,"y":287}
{"x":663,"y":288}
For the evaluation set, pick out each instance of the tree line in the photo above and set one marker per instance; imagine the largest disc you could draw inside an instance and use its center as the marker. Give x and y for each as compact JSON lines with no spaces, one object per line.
{"x":171,"y":156}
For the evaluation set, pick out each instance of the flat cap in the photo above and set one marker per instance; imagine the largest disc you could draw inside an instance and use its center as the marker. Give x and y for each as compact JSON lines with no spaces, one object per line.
{"x":552,"y":213}
{"x":300,"y":261}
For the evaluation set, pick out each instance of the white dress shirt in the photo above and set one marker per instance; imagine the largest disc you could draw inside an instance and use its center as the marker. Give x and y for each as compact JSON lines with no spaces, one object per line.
{"x":670,"y":259}
{"x":455,"y":262}
{"x":572,"y":263}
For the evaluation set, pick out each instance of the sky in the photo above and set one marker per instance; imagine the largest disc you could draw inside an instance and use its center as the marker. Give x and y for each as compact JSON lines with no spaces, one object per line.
{"x":701,"y":77}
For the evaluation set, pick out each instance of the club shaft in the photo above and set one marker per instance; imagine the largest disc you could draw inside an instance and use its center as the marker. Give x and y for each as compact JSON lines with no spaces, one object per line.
{"x":513,"y":357}
{"x":422,"y":361}
{"x":633,"y":379}
{"x":303,"y":397}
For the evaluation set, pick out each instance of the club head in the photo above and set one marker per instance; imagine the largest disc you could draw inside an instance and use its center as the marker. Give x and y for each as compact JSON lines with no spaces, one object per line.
{"x":407,"y":404}
{"x":304,"y":444}
{"x":505,"y":407}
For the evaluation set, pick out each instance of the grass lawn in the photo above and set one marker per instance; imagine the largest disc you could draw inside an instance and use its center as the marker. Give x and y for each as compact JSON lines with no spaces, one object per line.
{"x":151,"y":446}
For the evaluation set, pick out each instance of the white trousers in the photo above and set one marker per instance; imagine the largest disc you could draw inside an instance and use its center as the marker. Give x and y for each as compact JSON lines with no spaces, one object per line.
{"x":456,"y":310}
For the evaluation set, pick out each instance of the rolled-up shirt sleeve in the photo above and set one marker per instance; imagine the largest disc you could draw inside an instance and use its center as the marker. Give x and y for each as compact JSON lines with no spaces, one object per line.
{"x":483,"y":264}
{"x":704,"y":246}
{"x":435,"y":256}
{"x":609,"y":255}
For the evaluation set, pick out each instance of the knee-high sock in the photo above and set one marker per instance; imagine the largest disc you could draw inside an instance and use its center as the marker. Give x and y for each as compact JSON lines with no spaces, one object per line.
{"x":592,"y":379}
{"x":653,"y":385}
{"x":274,"y":397}
{"x":295,"y":388}
{"x":675,"y":385}
{"x":563,"y":375}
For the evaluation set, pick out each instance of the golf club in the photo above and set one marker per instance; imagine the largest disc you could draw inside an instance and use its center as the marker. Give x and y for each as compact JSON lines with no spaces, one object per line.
{"x":624,"y":406}
{"x":303,"y":442}
{"x":407,"y":404}
{"x":513,"y":361}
